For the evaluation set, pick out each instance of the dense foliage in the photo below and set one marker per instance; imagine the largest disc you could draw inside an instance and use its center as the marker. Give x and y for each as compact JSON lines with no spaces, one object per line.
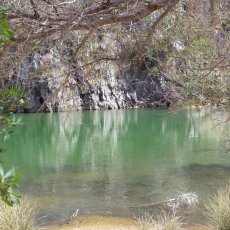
{"x":7,"y":184}
{"x":10,"y":99}
{"x":5,"y":32}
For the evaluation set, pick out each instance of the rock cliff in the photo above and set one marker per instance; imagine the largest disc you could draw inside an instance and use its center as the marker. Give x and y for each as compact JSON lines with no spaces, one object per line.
{"x":54,"y":81}
{"x":55,"y":89}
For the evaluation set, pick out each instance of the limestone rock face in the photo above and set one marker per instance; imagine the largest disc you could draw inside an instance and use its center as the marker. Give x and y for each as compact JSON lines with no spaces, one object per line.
{"x":51,"y":86}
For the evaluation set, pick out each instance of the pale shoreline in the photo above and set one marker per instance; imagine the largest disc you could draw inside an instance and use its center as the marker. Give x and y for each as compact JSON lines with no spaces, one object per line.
{"x":108,"y":223}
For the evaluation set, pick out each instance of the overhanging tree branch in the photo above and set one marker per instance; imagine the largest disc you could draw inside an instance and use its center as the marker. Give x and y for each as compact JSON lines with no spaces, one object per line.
{"x":92,"y":17}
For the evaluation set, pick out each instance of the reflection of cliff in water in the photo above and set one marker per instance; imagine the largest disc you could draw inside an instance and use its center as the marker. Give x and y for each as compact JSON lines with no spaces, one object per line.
{"x":59,"y":138}
{"x":106,"y":162}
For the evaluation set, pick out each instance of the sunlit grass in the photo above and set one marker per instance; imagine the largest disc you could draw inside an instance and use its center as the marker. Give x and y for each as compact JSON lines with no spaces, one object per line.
{"x":18,"y":217}
{"x":161,"y":222}
{"x":218,"y":209}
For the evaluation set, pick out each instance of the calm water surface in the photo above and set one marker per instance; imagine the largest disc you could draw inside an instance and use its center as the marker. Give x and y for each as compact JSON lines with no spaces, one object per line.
{"x":106,"y":162}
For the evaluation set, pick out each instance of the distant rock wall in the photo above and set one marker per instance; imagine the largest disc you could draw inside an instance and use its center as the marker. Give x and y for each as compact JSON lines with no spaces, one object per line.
{"x":51,"y":87}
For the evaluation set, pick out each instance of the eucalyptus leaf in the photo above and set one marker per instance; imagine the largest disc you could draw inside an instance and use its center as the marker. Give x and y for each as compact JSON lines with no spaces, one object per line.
{"x":10,"y":173}
{"x":1,"y":171}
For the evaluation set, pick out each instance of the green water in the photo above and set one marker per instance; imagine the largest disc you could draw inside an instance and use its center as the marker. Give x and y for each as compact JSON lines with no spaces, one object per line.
{"x":106,"y":162}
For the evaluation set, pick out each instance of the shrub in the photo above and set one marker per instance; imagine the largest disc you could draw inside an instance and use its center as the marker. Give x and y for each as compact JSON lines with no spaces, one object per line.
{"x":218,"y":209}
{"x":18,"y":217}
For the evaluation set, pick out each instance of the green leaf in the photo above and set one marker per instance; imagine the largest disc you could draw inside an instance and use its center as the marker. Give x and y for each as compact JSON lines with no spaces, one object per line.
{"x":5,"y":24}
{"x":1,"y":171}
{"x":7,"y":202}
{"x":16,"y":177}
{"x":6,"y":137}
{"x":10,"y":173}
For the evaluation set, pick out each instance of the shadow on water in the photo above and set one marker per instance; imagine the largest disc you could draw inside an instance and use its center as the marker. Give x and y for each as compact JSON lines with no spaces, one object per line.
{"x":106,"y":162}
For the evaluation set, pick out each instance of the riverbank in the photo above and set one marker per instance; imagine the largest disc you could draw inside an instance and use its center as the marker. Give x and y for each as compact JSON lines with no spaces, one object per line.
{"x":108,"y":223}
{"x":96,"y":222}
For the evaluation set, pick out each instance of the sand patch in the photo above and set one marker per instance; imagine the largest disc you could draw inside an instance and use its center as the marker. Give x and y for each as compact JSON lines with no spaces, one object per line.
{"x":97,"y":222}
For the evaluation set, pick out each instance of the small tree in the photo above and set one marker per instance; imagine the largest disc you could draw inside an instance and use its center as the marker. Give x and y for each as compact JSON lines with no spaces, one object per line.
{"x":9,"y":100}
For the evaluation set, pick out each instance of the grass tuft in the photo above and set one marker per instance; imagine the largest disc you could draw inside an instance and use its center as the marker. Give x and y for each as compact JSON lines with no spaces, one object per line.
{"x":18,"y":217}
{"x":161,"y":222}
{"x":218,"y":209}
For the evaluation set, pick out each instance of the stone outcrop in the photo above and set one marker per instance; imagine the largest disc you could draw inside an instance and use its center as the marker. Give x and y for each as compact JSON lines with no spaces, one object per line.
{"x":50,"y":87}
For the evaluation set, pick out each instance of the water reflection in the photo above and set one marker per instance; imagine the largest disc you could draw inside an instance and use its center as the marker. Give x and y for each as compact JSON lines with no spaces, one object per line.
{"x":106,"y":162}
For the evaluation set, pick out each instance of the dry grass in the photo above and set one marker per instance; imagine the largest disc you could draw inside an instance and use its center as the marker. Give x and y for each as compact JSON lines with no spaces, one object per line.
{"x":161,"y":222}
{"x":218,"y":209}
{"x":18,"y":217}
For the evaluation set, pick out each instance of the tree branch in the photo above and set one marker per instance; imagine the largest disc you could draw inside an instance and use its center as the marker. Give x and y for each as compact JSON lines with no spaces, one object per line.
{"x":99,"y":19}
{"x":35,"y":9}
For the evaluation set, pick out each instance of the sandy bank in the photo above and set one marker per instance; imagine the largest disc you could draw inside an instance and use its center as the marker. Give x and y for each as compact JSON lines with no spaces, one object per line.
{"x":107,"y":223}
{"x":97,"y":222}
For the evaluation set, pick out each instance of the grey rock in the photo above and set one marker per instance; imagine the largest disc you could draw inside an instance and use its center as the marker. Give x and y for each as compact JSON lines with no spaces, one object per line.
{"x":57,"y":90}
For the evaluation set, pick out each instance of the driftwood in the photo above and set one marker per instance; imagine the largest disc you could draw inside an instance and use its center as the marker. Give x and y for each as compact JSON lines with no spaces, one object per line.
{"x":157,"y":203}
{"x":175,"y":203}
{"x":74,"y":215}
